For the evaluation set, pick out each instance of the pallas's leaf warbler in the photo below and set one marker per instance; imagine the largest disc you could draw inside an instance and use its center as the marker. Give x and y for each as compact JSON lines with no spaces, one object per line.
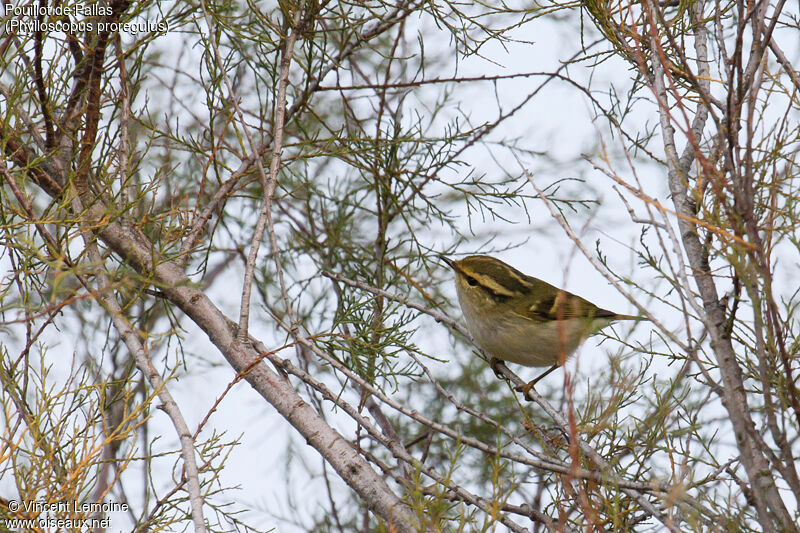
{"x":518,"y":318}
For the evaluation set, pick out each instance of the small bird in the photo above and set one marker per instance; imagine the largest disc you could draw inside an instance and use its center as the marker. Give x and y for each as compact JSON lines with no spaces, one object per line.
{"x":518,"y":318}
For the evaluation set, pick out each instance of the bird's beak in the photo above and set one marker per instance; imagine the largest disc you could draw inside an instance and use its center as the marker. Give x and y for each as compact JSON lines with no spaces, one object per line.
{"x":450,"y":262}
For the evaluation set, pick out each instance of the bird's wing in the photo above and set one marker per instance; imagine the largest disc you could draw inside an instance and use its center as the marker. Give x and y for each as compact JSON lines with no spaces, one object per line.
{"x":562,"y":305}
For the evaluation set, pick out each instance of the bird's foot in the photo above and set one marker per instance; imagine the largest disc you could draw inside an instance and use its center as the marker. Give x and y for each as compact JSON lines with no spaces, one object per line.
{"x":525,"y":389}
{"x":495,"y":363}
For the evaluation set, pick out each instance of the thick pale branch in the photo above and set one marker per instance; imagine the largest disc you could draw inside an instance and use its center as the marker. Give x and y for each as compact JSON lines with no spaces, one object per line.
{"x":356,"y":472}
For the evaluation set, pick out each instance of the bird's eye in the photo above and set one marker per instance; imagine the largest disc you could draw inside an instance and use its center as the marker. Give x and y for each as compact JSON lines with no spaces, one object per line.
{"x":471,"y":281}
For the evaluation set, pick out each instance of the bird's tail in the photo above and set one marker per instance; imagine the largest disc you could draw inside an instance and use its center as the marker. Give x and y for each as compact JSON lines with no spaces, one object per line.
{"x":629,"y":317}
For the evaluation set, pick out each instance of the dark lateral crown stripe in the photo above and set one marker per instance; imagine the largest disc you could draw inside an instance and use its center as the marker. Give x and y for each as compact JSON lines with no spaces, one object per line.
{"x":514,"y":281}
{"x":491,"y":286}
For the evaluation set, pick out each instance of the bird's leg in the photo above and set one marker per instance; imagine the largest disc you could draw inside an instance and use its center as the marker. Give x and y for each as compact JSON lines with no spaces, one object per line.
{"x":528,"y":386}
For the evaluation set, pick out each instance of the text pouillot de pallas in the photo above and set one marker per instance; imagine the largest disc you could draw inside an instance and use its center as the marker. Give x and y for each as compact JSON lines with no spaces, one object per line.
{"x":71,"y":18}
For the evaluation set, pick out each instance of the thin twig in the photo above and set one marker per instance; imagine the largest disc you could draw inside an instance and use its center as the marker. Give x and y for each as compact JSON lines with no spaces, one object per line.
{"x":596,"y":458}
{"x":169,"y":405}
